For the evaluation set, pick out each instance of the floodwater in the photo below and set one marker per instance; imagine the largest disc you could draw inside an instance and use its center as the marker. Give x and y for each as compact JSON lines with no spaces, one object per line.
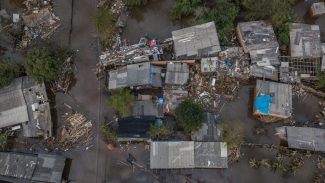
{"x":152,"y":18}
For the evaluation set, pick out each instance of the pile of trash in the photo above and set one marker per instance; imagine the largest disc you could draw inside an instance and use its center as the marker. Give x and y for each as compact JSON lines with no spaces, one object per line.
{"x":76,"y":131}
{"x":39,"y":21}
{"x":147,"y":49}
{"x":65,"y":79}
{"x":212,"y":90}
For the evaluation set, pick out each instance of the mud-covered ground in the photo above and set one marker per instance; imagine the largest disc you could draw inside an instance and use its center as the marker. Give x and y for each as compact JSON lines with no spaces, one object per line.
{"x":97,"y":164}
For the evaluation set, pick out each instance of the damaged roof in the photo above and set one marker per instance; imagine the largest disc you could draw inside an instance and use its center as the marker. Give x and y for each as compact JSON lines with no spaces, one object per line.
{"x":140,"y":74}
{"x":188,"y":154}
{"x":134,"y":129}
{"x":18,"y":167}
{"x":306,"y":138}
{"x":305,"y":40}
{"x":25,"y":102}
{"x":281,"y":103}
{"x":208,"y":130}
{"x":177,"y":73}
{"x":199,"y":40}
{"x":147,"y":108}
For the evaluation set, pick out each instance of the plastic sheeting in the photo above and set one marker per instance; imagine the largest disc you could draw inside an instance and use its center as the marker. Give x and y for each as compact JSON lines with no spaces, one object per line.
{"x":262,"y":103}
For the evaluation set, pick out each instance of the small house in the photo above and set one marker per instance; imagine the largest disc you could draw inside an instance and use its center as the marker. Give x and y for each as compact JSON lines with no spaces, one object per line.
{"x":259,"y":40}
{"x":188,"y":154}
{"x":305,"y":138}
{"x":25,"y":106}
{"x":196,"y":41}
{"x":273,"y":101}
{"x":135,"y":75}
{"x":177,"y":74}
{"x":21,"y":167}
{"x":134,"y":129}
{"x":146,"y":105}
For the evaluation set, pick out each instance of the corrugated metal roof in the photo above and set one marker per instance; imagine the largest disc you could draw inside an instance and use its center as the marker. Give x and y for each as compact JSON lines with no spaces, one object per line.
{"x":188,"y":154}
{"x":13,"y":109}
{"x":306,"y":138}
{"x":281,"y":93}
{"x":177,"y":73}
{"x":198,"y":40}
{"x":305,"y":40}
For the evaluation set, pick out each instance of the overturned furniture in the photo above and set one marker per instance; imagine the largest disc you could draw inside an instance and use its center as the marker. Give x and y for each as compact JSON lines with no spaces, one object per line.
{"x":305,"y":138}
{"x":22,"y":167}
{"x":272,"y":101}
{"x":24,"y":104}
{"x":188,"y":154}
{"x":196,"y":41}
{"x":259,"y":40}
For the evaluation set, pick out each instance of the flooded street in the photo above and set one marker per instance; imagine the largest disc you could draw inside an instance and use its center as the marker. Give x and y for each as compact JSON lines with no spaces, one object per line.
{"x":152,"y":18}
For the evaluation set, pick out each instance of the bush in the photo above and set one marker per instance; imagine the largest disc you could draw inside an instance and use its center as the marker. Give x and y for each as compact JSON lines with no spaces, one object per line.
{"x":109,"y":134}
{"x":232,"y":133}
{"x":8,"y":72}
{"x":321,"y":79}
{"x":43,"y":64}
{"x":122,"y":100}
{"x":105,"y":25}
{"x":159,"y":132}
{"x":189,"y":115}
{"x":3,"y":140}
{"x":184,"y":8}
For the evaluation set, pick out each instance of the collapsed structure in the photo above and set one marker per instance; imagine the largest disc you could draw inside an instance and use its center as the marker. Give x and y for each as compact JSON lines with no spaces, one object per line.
{"x":196,"y":41}
{"x":18,"y":167}
{"x":303,"y":137}
{"x":305,"y":54}
{"x":259,"y":40}
{"x":188,"y":154}
{"x":273,"y":101}
{"x":24,"y":104}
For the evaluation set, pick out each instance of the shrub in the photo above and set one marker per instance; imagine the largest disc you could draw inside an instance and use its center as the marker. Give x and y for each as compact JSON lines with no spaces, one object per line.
{"x":105,"y":25}
{"x":159,"y":132}
{"x":122,"y":100}
{"x":8,"y":72}
{"x":232,"y":133}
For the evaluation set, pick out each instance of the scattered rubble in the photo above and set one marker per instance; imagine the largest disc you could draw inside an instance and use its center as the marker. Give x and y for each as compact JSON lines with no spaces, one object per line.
{"x":65,"y":79}
{"x":76,"y":131}
{"x":39,"y":21}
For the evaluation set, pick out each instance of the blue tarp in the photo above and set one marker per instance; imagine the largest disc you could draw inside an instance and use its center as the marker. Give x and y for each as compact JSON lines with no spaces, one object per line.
{"x":262,"y":103}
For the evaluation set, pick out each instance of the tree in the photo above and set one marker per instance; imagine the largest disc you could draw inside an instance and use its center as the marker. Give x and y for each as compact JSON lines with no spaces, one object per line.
{"x":122,"y":100}
{"x":110,"y":135}
{"x":189,"y":115}
{"x":3,"y":139}
{"x":8,"y":72}
{"x":159,"y":132}
{"x":232,"y":133}
{"x":105,"y":25}
{"x":278,"y":12}
{"x":44,"y":64}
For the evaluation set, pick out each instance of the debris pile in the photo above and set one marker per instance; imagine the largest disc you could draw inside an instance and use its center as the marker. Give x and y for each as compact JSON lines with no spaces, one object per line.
{"x":212,"y":90}
{"x":65,"y":79}
{"x":75,"y":131}
{"x":39,"y":21}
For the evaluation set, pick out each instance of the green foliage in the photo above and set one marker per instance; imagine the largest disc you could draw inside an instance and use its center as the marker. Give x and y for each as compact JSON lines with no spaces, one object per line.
{"x":136,"y":2}
{"x":184,"y":8}
{"x":232,"y":133}
{"x":278,"y":12}
{"x":3,"y":140}
{"x":189,"y":115}
{"x":122,"y":100}
{"x":159,"y":132}
{"x":105,"y":25}
{"x":8,"y":72}
{"x":321,"y":79}
{"x":109,"y":134}
{"x":223,"y":14}
{"x":43,"y":64}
